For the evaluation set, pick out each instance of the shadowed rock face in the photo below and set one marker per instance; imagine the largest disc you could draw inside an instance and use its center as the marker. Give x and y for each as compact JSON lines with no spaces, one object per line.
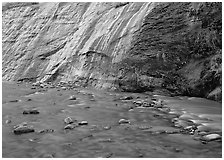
{"x":50,"y":41}
{"x":132,"y":46}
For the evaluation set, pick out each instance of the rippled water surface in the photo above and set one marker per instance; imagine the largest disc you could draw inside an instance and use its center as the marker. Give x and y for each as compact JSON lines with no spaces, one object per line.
{"x":103,"y":136}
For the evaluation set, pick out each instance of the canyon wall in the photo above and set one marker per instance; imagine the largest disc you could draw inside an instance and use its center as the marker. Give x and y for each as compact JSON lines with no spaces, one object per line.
{"x":68,"y":41}
{"x":122,"y":45}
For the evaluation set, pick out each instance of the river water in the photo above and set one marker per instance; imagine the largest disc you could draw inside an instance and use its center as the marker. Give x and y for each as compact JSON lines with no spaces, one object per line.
{"x":103,"y":136}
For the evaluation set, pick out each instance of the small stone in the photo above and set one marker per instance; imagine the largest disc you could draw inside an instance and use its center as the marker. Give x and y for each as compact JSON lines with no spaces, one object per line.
{"x":8,"y":121}
{"x":83,"y":123}
{"x":106,"y":140}
{"x":72,"y":97}
{"x":172,"y":132}
{"x":46,"y":131}
{"x":15,"y":100}
{"x":130,"y":110}
{"x":23,"y":129}
{"x":211,"y":137}
{"x":31,"y":111}
{"x":126,"y":98}
{"x":144,"y":127}
{"x":123,"y":121}
{"x":22,"y":124}
{"x":140,"y":155}
{"x":138,"y":102}
{"x":63,"y":88}
{"x":48,"y":156}
{"x":146,"y":104}
{"x":68,"y":120}
{"x":107,"y":127}
{"x":87,"y":107}
{"x":177,"y":150}
{"x":70,"y":126}
{"x":157,"y":104}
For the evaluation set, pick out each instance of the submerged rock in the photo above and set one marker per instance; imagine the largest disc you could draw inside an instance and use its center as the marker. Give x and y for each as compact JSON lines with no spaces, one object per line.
{"x":23,"y":128}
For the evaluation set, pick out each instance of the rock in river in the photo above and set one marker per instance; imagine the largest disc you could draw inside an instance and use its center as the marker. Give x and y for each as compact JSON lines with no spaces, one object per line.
{"x":46,"y":131}
{"x":123,"y":121}
{"x":70,"y":126}
{"x":31,"y":111}
{"x":72,"y":97}
{"x":126,"y":98}
{"x":23,"y":128}
{"x":83,"y":123}
{"x":211,"y":137}
{"x":68,"y":120}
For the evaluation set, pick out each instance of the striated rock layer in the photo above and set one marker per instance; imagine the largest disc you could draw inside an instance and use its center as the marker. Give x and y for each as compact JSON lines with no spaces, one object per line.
{"x":68,"y":41}
{"x":130,"y":46}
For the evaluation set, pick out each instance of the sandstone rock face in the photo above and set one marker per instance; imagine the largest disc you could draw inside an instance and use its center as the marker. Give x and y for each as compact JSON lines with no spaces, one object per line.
{"x":68,"y":41}
{"x":129,"y":46}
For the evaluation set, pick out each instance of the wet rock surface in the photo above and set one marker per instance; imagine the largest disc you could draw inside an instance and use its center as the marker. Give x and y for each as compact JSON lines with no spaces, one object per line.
{"x":31,"y":111}
{"x":159,"y":126}
{"x":22,"y":129}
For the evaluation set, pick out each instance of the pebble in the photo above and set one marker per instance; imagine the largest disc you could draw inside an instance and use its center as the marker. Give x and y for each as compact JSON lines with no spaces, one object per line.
{"x":8,"y":121}
{"x":172,"y":132}
{"x":21,"y":129}
{"x":126,"y":98}
{"x":138,"y":102}
{"x":211,"y":137}
{"x":123,"y":121}
{"x":15,"y":100}
{"x":31,"y":111}
{"x":64,"y":88}
{"x":46,"y":131}
{"x":83,"y":123}
{"x":70,"y":126}
{"x":157,"y":104}
{"x":107,"y":127}
{"x":48,"y":156}
{"x":72,"y":97}
{"x":68,"y":120}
